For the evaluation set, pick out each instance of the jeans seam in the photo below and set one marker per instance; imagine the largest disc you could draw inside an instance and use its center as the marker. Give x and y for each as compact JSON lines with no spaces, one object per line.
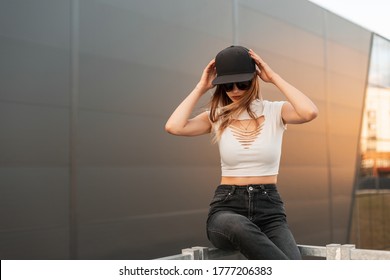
{"x":221,"y":233}
{"x":235,"y":246}
{"x":226,"y":236}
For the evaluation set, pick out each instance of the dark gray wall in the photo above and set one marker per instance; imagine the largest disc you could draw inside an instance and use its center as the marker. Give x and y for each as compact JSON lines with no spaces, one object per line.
{"x":86,"y":86}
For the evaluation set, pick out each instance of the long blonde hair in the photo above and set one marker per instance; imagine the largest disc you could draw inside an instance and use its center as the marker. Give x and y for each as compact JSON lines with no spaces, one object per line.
{"x":223,"y":109}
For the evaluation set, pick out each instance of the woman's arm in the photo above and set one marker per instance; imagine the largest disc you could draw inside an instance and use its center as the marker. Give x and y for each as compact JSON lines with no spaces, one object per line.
{"x":300,"y":108}
{"x":179,"y":122}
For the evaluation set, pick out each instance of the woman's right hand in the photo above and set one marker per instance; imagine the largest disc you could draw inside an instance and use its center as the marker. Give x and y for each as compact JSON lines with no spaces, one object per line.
{"x":208,"y":75}
{"x":180,"y":122}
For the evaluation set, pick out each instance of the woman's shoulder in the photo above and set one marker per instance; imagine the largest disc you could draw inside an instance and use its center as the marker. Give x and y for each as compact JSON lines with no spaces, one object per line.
{"x":272,"y":105}
{"x":260,"y":106}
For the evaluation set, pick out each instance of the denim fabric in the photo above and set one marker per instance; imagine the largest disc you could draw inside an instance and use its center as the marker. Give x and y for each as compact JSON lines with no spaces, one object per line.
{"x":251,"y":219}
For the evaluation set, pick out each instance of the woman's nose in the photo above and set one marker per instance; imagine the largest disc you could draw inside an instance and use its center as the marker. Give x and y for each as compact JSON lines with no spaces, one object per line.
{"x":235,"y":88}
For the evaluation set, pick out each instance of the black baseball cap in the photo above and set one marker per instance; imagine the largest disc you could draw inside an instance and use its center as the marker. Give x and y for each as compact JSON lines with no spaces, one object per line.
{"x":234,"y":64}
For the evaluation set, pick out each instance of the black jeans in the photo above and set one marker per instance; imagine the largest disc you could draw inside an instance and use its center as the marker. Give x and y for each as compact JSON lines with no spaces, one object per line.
{"x":251,"y":219}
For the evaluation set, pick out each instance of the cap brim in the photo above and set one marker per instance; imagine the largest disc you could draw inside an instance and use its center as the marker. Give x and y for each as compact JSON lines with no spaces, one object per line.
{"x":233,"y":78}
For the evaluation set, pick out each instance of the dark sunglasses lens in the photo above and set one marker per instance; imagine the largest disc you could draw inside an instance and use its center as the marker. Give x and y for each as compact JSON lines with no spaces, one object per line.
{"x":243,"y":85}
{"x":240,"y":85}
{"x":228,"y":87}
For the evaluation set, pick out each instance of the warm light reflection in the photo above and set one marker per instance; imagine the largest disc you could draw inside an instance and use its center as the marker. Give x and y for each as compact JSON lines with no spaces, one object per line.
{"x":370,"y":226}
{"x":376,"y":121}
{"x":375,"y":135}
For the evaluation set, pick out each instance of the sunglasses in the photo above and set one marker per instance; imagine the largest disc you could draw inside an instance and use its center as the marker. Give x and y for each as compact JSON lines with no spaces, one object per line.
{"x":240,"y":85}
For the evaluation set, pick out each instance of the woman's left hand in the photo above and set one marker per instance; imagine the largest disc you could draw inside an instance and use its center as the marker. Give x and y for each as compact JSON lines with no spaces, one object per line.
{"x":299,"y":108}
{"x":264,"y":71}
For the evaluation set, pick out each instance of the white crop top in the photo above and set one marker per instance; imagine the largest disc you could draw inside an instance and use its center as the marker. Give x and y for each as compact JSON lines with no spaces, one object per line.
{"x":261,"y":154}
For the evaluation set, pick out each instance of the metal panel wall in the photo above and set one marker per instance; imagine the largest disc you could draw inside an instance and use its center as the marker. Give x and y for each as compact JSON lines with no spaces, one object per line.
{"x":141,"y":193}
{"x":34,"y":89}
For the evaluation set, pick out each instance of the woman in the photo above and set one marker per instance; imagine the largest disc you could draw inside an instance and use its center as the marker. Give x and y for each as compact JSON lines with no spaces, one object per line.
{"x":246,"y":213}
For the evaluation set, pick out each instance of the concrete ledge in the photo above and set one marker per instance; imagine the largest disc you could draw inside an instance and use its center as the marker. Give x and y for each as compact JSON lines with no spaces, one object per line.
{"x":329,"y":252}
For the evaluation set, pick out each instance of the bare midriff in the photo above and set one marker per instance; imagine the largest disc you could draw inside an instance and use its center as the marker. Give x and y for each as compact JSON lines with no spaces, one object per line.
{"x":242,"y":181}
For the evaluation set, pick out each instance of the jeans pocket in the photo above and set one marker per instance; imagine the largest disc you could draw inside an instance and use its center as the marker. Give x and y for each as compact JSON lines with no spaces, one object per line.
{"x":275,"y":198}
{"x":220,"y":197}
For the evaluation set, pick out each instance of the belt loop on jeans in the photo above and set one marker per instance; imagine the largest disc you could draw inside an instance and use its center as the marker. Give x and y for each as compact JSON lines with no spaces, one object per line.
{"x":232,"y":190}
